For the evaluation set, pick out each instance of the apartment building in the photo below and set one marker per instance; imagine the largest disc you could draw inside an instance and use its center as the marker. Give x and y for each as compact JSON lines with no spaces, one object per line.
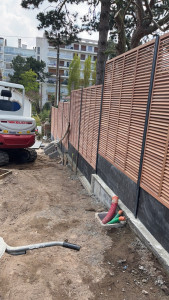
{"x":46,"y":52}
{"x":8,"y":53}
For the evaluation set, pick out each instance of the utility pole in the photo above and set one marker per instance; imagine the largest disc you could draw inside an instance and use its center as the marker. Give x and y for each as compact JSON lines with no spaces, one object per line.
{"x":57,"y":73}
{"x":40,"y":96}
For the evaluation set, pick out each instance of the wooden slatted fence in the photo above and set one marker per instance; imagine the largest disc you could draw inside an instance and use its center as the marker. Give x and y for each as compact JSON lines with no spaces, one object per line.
{"x":125,"y":96}
{"x":124,"y":104}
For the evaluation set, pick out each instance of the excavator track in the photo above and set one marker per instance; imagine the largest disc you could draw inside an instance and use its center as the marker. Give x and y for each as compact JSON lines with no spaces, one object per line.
{"x":25,"y":155}
{"x":19,"y":156}
{"x":4,"y":158}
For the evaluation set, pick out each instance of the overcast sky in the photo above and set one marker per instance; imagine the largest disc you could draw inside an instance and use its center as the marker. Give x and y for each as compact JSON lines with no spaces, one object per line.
{"x":17,"y":22}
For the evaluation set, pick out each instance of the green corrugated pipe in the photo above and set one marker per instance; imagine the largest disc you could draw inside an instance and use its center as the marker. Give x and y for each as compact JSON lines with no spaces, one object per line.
{"x":116,"y":220}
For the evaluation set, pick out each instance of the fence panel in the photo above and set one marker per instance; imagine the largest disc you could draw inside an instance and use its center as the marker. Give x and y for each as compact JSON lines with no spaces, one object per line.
{"x":66,"y":108}
{"x":54,"y":113}
{"x":89,"y":126}
{"x":74,"y":118}
{"x":155,"y":172}
{"x":125,"y":96}
{"x":59,"y":121}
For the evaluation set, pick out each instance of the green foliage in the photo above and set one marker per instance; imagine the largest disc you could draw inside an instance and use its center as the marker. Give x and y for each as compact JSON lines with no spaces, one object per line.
{"x":87,"y":71}
{"x":111,"y":49}
{"x":37,"y":119}
{"x":36,"y":66}
{"x":74,"y":74}
{"x":21,"y":65}
{"x":45,"y":114}
{"x":28,"y":79}
{"x":47,"y":106}
{"x":36,"y":98}
{"x":18,"y":65}
{"x":94,"y":73}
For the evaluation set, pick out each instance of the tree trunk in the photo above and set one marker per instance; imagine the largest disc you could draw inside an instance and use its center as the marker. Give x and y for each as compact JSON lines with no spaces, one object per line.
{"x":102,"y":43}
{"x":121,"y":45}
{"x":138,"y":34}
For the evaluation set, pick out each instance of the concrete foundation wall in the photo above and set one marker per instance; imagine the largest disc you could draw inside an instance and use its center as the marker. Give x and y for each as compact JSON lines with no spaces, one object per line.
{"x":151,"y":212}
{"x":83,"y":165}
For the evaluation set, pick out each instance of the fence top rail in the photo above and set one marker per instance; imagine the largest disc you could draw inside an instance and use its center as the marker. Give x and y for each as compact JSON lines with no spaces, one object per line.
{"x":88,"y":88}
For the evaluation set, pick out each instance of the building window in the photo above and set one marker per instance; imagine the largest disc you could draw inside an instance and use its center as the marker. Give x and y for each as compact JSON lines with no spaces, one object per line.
{"x":38,"y":58}
{"x":8,"y":66}
{"x":38,"y":50}
{"x":83,"y":47}
{"x":61,"y":72}
{"x":95,"y":49}
{"x":66,"y":73}
{"x":52,"y":71}
{"x":76,"y":47}
{"x":90,"y":48}
{"x":62,"y":46}
{"x":82,"y":57}
{"x":94,"y":58}
{"x":61,"y":63}
{"x":68,"y":64}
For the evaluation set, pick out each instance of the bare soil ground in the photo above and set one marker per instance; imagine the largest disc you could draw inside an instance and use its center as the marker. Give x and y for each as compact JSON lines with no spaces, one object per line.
{"x":45,"y":201}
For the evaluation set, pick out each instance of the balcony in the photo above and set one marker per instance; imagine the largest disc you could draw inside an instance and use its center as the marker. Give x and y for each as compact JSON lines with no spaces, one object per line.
{"x":51,"y":89}
{"x":52,"y":80}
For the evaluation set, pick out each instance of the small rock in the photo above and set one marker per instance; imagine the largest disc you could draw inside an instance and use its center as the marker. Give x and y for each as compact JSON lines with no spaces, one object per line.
{"x":141,"y":267}
{"x":121,"y":261}
{"x":109,"y":263}
{"x":144,"y":280}
{"x":134,"y":271}
{"x":123,"y":290}
{"x":144,"y":292}
{"x":159,"y":281}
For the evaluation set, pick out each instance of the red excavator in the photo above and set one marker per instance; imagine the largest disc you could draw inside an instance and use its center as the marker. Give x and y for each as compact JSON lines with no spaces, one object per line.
{"x":17,"y":128}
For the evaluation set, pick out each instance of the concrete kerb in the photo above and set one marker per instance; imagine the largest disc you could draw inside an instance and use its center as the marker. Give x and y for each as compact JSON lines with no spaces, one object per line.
{"x":104,"y":194}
